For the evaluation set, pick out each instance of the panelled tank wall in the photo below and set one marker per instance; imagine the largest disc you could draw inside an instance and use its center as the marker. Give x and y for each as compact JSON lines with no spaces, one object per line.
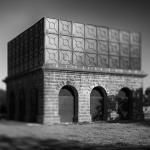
{"x":26,"y":51}
{"x":68,"y":43}
{"x":73,"y":44}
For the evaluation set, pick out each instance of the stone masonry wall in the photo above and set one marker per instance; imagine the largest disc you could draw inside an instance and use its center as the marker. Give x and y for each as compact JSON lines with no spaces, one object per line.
{"x":84,"y":82}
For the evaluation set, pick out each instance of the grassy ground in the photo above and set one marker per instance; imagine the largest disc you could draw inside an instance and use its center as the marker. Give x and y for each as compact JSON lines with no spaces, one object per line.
{"x":101,"y":135}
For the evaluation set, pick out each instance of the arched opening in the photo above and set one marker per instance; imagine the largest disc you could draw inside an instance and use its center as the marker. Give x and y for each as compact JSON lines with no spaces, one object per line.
{"x":125,"y":104}
{"x":68,"y":104}
{"x":98,"y":104}
{"x":22,"y":106}
{"x":33,"y":106}
{"x":12,"y":106}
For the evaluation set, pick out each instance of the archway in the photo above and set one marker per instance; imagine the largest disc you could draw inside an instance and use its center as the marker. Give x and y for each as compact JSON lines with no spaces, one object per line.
{"x":22,"y":106}
{"x":12,"y":106}
{"x":98,"y":104}
{"x":125,"y":104}
{"x":68,"y":104}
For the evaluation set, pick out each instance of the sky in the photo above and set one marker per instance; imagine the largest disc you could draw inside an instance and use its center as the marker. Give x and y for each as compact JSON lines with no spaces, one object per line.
{"x":132,"y":15}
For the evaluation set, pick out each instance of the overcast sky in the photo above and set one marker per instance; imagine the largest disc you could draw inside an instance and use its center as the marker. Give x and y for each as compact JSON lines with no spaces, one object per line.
{"x":132,"y":15}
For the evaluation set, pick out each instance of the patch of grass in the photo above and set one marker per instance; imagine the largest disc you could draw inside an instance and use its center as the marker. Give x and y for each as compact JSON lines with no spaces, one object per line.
{"x":28,"y":143}
{"x":74,"y":136}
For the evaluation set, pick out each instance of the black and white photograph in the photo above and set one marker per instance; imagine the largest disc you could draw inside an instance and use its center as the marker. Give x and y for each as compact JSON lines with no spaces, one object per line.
{"x":74,"y":75}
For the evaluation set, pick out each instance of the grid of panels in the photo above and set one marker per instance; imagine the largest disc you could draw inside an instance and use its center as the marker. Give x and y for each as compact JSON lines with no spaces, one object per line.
{"x":88,"y":45}
{"x":76,"y":44}
{"x":25,"y":51}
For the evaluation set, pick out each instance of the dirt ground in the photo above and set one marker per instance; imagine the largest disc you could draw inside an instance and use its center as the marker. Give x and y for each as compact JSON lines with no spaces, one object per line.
{"x":100,"y":135}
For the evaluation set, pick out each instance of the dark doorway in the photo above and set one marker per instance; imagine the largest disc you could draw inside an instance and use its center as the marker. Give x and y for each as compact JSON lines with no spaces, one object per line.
{"x":97,"y":104}
{"x":22,"y":106}
{"x":12,"y":104}
{"x":68,"y":104}
{"x":33,"y":107}
{"x":124,"y":104}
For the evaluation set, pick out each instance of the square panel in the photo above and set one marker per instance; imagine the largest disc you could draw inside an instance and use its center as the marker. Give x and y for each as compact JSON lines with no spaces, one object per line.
{"x":78,"y":44}
{"x":135,"y":38}
{"x":36,"y":43}
{"x":26,"y":61}
{"x":31,"y":33}
{"x":91,"y":59}
{"x":51,"y":41}
{"x":124,"y":49}
{"x":40,"y":57}
{"x":31,"y":43}
{"x":78,"y":29}
{"x":113,"y":35}
{"x":26,"y":35}
{"x":35,"y":61}
{"x":65,"y":27}
{"x":90,"y":46}
{"x":135,"y":63}
{"x":65,"y":57}
{"x":102,"y":47}
{"x":41,"y":27}
{"x":65,"y":42}
{"x":124,"y":37}
{"x":17,"y":43}
{"x":41,"y":42}
{"x":90,"y":31}
{"x":113,"y":62}
{"x":51,"y":56}
{"x":103,"y":61}
{"x":114,"y":48}
{"x":102,"y":33}
{"x":78,"y":59}
{"x":135,"y":51}
{"x":36,"y":29}
{"x":124,"y":63}
{"x":51,"y":25}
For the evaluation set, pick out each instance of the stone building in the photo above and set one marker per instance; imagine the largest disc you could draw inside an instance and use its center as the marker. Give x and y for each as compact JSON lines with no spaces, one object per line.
{"x":63,"y":71}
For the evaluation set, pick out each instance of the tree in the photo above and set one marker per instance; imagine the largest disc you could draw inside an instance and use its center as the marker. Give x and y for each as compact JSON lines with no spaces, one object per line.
{"x":2,"y":102}
{"x":147,"y":97}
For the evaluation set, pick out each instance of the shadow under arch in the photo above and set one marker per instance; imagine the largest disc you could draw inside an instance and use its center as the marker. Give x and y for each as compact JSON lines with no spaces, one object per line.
{"x":98,"y":104}
{"x":68,"y":104}
{"x":125,"y":104}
